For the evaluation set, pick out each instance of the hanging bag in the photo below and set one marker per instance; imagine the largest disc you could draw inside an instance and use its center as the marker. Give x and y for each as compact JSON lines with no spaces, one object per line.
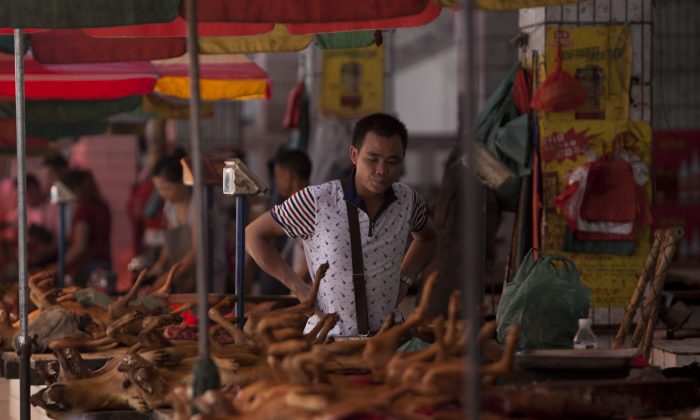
{"x":560,"y":91}
{"x":546,"y":298}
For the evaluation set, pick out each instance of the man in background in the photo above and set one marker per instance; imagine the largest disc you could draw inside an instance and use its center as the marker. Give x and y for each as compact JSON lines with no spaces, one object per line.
{"x":292,"y":169}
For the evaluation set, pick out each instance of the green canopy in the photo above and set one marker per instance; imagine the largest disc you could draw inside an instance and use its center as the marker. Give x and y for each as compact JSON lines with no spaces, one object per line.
{"x":343,"y":40}
{"x":7,"y":43}
{"x":59,"y":14}
{"x":73,"y":129}
{"x":62,"y":111}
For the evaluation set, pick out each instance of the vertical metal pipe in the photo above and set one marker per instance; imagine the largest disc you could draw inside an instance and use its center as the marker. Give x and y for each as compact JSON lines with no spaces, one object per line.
{"x":202,"y":272}
{"x":240,"y":256}
{"x":23,"y":343}
{"x":209,"y":201}
{"x":61,"y":244}
{"x":471,"y":227}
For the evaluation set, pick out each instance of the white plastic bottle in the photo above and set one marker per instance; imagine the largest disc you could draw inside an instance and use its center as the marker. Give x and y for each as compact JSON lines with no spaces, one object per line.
{"x":584,"y":338}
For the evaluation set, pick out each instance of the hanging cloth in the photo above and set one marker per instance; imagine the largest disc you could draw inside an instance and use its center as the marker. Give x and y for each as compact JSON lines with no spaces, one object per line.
{"x":560,"y":91}
{"x":291,"y":117}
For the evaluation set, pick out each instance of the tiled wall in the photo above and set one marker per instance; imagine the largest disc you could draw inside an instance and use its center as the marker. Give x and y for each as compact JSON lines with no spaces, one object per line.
{"x":638,"y":14}
{"x":676,"y":64}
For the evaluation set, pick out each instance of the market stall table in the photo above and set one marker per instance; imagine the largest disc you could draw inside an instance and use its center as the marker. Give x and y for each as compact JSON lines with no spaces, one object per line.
{"x":675,"y":353}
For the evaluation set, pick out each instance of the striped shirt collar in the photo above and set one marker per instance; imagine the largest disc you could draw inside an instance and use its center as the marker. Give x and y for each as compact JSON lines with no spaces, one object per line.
{"x":350,"y":194}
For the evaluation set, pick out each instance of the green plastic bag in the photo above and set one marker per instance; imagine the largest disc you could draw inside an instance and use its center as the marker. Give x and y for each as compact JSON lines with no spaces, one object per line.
{"x":546,"y":298}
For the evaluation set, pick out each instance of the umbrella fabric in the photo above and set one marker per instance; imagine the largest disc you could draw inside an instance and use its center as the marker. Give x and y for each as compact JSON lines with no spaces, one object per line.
{"x":305,"y":11}
{"x":277,"y":40}
{"x":75,"y":46}
{"x":430,"y":13}
{"x":8,"y":139}
{"x":7,"y":43}
{"x":343,"y":40}
{"x":64,"y":14}
{"x":222,"y":77}
{"x":178,"y":28}
{"x":64,"y":111}
{"x":514,"y":4}
{"x":78,"y":81}
{"x":163,"y":107}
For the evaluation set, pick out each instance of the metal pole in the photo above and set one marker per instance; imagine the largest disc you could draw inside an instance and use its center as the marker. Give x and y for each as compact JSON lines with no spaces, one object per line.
{"x":240,"y":256}
{"x":472,"y":238}
{"x":24,"y":347}
{"x":202,"y":272}
{"x":209,"y":200}
{"x":61,"y":244}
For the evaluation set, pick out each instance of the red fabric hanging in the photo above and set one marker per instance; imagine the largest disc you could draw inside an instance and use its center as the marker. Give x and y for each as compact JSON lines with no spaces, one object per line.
{"x":78,"y":81}
{"x":521,"y":91}
{"x":291,"y":117}
{"x":610,"y":193}
{"x":305,"y":11}
{"x":560,"y":91}
{"x":75,"y":46}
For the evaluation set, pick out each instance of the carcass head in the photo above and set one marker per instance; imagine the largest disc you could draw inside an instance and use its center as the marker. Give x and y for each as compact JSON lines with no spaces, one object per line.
{"x":53,"y":398}
{"x":72,"y":365}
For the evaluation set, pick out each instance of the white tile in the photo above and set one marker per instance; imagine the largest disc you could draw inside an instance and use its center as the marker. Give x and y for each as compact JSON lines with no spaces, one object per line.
{"x":619,"y":11}
{"x":585,"y":11}
{"x":647,"y":10}
{"x":602,"y":11}
{"x":569,"y":13}
{"x":634,"y":11}
{"x":554,"y":13}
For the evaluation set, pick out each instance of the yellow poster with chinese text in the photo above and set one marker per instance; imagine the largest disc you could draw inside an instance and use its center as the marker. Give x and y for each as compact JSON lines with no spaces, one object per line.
{"x":600,"y":58}
{"x":353,"y":81}
{"x":565,"y":146}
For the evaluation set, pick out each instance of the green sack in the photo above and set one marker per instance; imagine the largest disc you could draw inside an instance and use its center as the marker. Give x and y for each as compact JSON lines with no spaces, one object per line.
{"x":546,"y":298}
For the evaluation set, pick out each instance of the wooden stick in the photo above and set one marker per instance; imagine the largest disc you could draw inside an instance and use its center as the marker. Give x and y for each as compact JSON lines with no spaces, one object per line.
{"x":644,"y":277}
{"x":651,"y":314}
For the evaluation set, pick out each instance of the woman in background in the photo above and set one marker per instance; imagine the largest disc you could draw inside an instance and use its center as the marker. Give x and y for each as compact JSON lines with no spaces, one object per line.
{"x":179,"y":213}
{"x":180,"y":232}
{"x":89,"y":241}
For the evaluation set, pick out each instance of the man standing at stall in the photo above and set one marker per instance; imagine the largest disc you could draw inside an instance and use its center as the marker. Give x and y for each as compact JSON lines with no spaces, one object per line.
{"x":387,"y":213}
{"x":292,"y":169}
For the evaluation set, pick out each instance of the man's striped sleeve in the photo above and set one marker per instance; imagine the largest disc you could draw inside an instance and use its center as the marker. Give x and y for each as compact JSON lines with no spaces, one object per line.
{"x":420,"y":213}
{"x":297,"y":214}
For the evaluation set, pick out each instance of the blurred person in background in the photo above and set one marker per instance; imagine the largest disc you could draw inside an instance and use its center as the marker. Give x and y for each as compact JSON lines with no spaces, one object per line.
{"x":180,"y":235}
{"x":292,"y":169}
{"x":89,"y":246}
{"x":53,"y":167}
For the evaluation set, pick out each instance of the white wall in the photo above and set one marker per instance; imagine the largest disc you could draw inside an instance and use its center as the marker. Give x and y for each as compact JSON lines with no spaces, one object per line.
{"x":425,"y":94}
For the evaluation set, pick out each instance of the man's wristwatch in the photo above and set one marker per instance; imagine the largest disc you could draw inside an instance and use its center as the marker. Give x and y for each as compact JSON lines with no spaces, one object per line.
{"x":405,"y":279}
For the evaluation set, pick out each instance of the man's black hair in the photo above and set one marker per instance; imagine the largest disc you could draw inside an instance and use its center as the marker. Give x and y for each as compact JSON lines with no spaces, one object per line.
{"x":296,"y":161}
{"x":381,"y":124}
{"x":55,"y":161}
{"x":31,"y":181}
{"x":168,"y":168}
